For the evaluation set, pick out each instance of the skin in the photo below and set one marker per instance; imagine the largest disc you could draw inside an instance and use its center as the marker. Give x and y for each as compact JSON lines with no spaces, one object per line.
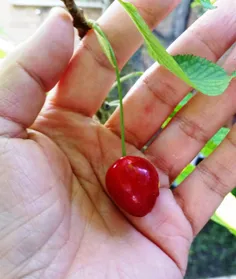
{"x":56,"y":219}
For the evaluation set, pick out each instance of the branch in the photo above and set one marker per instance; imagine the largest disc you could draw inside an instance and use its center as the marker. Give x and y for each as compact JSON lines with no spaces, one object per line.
{"x":79,"y":19}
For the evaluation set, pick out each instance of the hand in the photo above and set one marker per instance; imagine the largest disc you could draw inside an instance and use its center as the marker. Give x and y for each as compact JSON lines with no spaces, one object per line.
{"x":56,"y":220}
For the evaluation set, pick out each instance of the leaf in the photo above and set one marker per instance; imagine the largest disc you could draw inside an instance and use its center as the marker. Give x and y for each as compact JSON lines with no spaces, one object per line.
{"x":209,"y":78}
{"x":104,"y":43}
{"x":233,"y":74}
{"x":214,"y":142}
{"x":159,"y":53}
{"x":208,"y":148}
{"x":177,"y":108}
{"x":220,"y":135}
{"x":207,"y":4}
{"x":186,"y":99}
{"x":184,"y":174}
{"x":225,"y":214}
{"x":105,"y":47}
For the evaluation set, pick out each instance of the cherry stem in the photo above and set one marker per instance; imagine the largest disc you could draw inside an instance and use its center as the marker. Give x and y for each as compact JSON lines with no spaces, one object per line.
{"x":79,"y":19}
{"x":122,"y":122}
{"x":109,"y":52}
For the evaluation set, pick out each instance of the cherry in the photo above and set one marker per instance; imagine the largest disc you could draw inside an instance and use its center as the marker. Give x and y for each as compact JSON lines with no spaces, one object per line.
{"x":133,"y":184}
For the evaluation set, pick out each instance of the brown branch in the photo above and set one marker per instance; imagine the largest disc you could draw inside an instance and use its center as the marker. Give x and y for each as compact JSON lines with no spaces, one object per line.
{"x":80,"y":21}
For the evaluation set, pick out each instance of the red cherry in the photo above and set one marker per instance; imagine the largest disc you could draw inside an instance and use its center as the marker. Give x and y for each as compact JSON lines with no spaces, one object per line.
{"x":133,"y":184}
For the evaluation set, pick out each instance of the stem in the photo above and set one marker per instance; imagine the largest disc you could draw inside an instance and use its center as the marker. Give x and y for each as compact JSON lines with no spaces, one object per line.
{"x":108,"y":50}
{"x":79,"y":19}
{"x":127,"y":77}
{"x":122,"y":122}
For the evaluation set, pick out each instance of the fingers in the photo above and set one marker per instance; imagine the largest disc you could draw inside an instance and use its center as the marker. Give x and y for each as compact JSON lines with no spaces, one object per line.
{"x":154,"y":97}
{"x":90,"y":76}
{"x":192,"y":127}
{"x":203,"y":191}
{"x":31,"y":70}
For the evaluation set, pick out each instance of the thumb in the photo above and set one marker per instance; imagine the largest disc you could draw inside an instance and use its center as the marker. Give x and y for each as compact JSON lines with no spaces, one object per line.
{"x":31,"y":70}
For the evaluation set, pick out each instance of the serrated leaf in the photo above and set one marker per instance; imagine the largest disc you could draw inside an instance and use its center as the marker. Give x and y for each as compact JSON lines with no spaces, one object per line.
{"x":159,"y":53}
{"x":208,"y":77}
{"x":184,"y":174}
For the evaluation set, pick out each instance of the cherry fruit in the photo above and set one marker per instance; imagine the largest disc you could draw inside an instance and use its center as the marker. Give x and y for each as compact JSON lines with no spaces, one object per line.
{"x":133,"y":184}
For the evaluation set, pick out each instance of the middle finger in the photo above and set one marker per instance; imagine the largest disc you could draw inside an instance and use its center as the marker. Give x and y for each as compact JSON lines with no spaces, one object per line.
{"x":90,"y":76}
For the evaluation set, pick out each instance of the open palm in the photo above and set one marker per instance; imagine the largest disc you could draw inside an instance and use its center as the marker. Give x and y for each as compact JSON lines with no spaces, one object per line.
{"x":56,"y":220}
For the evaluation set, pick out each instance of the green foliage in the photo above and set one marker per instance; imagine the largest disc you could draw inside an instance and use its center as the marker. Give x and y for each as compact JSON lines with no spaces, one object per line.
{"x":206,"y":4}
{"x":212,"y":254}
{"x":208,"y":78}
{"x":214,"y":141}
{"x":189,"y":68}
{"x":104,"y":43}
{"x":177,"y":108}
{"x":184,"y":174}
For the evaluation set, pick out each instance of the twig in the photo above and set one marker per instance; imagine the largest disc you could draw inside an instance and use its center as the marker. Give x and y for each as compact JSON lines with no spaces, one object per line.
{"x":80,"y":21}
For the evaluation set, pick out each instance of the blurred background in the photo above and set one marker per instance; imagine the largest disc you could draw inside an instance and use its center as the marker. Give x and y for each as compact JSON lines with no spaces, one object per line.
{"x":213,"y":253}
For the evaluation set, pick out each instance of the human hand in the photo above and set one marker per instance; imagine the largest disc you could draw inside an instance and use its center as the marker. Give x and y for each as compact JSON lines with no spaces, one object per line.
{"x":56,"y":220}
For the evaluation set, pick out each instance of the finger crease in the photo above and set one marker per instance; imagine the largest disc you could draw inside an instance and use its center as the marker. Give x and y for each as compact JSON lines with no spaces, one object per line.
{"x":212,"y":180}
{"x":33,"y":76}
{"x":200,"y":39}
{"x":101,"y":59}
{"x":191,"y":129}
{"x":163,"y":95}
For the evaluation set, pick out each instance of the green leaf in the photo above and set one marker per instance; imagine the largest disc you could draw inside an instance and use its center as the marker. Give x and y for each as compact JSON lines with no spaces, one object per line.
{"x":177,"y":108}
{"x":196,"y":3}
{"x":209,"y":78}
{"x":233,"y":74}
{"x":220,"y":135}
{"x":105,"y":47}
{"x":184,"y":174}
{"x":208,"y":148}
{"x":186,"y":99}
{"x":215,"y":80}
{"x":214,"y":141}
{"x":225,"y":214}
{"x":207,"y":4}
